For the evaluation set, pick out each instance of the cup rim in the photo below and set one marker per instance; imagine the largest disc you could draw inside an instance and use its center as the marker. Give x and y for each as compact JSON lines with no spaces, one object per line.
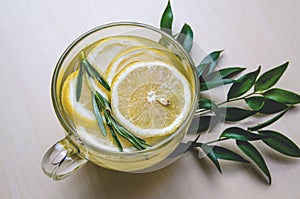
{"x":70,"y":129}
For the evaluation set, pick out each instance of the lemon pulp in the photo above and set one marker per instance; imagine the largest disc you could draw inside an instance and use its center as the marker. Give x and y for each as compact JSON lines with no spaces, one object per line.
{"x":150,"y":98}
{"x":150,"y":91}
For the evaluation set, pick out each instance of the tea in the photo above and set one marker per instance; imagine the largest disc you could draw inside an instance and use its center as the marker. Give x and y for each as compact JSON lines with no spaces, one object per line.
{"x":126,"y":84}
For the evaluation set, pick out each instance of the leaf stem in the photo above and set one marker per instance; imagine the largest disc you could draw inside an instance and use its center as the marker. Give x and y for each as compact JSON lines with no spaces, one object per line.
{"x":218,"y":140}
{"x":102,"y":107}
{"x":206,"y":110}
{"x":236,"y":99}
{"x":197,"y":144}
{"x":203,"y":111}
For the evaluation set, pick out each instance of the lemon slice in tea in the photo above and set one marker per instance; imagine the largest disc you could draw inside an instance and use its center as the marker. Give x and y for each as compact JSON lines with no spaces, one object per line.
{"x":82,"y":114}
{"x":150,"y":99}
{"x":133,"y":54}
{"x":80,"y":111}
{"x":108,"y":48}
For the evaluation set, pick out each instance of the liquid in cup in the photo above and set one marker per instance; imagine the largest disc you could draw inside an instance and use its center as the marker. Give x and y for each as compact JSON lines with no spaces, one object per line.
{"x":152,"y":94}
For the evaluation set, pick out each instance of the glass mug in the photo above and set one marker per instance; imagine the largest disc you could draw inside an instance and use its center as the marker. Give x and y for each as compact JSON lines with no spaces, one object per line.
{"x":71,"y":153}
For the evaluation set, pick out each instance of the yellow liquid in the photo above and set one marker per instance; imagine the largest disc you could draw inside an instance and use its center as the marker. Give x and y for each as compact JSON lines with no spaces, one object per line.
{"x":109,"y":61}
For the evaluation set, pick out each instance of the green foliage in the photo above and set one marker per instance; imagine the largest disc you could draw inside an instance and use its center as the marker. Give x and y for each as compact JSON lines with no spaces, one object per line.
{"x":93,"y":73}
{"x":226,"y":154}
{"x":98,"y":113}
{"x":79,"y":83}
{"x":264,"y":105}
{"x":166,"y":20}
{"x":243,"y":84}
{"x":254,"y":154}
{"x":208,"y":64}
{"x":207,"y":104}
{"x":282,"y":96}
{"x":268,"y":122}
{"x":224,"y":73}
{"x":102,"y":107}
{"x":185,"y":37}
{"x":240,"y":134}
{"x":280,"y":143}
{"x":235,"y":114}
{"x":270,"y":78}
{"x":211,"y":155}
{"x":203,"y":123}
{"x":207,"y":85}
{"x":264,"y":100}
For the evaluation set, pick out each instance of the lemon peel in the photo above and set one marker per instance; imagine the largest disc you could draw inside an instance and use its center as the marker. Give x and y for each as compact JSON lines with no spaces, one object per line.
{"x":138,"y":94}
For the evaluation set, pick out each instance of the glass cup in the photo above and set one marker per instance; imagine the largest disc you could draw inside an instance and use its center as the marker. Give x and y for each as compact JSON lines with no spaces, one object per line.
{"x":71,"y":153}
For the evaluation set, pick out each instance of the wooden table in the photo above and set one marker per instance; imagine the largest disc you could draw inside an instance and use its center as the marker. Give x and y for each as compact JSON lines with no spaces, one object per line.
{"x":33,"y":34}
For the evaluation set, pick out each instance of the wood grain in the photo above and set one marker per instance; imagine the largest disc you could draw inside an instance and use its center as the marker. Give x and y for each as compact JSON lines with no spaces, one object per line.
{"x":33,"y":34}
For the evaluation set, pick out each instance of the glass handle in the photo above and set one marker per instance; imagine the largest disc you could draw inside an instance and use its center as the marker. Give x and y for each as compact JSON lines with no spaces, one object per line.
{"x":61,"y":160}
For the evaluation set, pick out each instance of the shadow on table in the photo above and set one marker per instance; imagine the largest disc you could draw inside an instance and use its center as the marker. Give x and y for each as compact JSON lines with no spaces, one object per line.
{"x":114,"y":184}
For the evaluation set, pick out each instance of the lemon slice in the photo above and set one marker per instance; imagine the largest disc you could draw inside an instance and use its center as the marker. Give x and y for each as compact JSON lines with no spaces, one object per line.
{"x":151,"y":99}
{"x":83,"y":116}
{"x":133,"y":54}
{"x":108,"y":48}
{"x":96,"y":139}
{"x":80,"y":111}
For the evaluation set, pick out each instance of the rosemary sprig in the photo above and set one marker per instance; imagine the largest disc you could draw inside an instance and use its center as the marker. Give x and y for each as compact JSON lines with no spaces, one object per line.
{"x":79,"y":83}
{"x":92,"y":72}
{"x":263,"y":100}
{"x":137,"y":142}
{"x":102,"y":107}
{"x":98,"y":110}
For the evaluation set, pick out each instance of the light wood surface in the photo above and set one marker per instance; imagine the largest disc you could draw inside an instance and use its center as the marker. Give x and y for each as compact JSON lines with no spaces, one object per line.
{"x":34,"y":33}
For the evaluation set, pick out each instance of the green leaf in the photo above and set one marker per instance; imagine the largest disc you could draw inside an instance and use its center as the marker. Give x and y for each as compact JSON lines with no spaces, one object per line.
{"x":103,"y":101}
{"x":204,"y":103}
{"x":224,"y":73}
{"x":243,"y":84}
{"x":208,"y":64}
{"x":254,"y":154}
{"x":202,"y":70}
{"x":268,"y":122}
{"x":136,"y":141}
{"x":270,"y":78}
{"x":218,"y":78}
{"x":282,"y":96}
{"x":265,"y":105}
{"x":95,"y":74}
{"x":235,"y":114}
{"x":129,"y":137}
{"x":280,"y":143}
{"x":226,"y":154}
{"x":211,"y":155}
{"x":85,"y":67}
{"x":98,"y":114}
{"x":255,"y":103}
{"x":116,"y":139}
{"x":166,"y":20}
{"x":230,"y":71}
{"x":203,"y":123}
{"x":240,"y":134}
{"x":79,"y":83}
{"x":185,"y":37}
{"x":215,"y":83}
{"x":207,"y":104}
